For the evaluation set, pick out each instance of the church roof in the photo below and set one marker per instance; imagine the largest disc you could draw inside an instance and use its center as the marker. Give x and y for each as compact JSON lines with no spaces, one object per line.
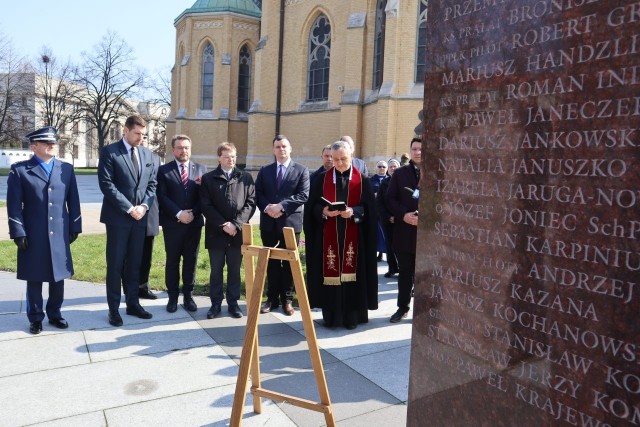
{"x":242,"y":7}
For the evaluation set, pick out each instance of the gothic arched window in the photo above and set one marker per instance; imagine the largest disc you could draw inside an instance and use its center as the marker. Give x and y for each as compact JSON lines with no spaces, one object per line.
{"x":378,"y":44}
{"x":206,"y":95}
{"x":244,"y":79}
{"x":319,"y":60}
{"x":421,"y":41}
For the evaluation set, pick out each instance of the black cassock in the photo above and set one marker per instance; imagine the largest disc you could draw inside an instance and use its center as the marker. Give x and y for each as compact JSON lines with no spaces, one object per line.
{"x":346,"y":304}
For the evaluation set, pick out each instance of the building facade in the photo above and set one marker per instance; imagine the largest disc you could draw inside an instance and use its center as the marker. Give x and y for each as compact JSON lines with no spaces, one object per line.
{"x":311,"y":70}
{"x":77,"y":139}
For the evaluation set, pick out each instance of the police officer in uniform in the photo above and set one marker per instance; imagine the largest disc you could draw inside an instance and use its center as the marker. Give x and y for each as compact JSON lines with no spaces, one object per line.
{"x":43,"y":206}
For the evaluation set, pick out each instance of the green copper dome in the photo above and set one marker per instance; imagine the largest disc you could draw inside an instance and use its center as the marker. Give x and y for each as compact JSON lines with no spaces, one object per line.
{"x":242,"y":7}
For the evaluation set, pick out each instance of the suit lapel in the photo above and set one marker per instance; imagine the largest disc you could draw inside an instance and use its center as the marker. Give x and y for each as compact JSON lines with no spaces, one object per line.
{"x":175,"y":171}
{"x":35,"y":168}
{"x":274,"y":176}
{"x":56,"y":172}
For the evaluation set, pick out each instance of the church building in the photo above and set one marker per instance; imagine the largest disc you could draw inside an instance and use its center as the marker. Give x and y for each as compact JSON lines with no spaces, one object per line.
{"x":246,"y":70}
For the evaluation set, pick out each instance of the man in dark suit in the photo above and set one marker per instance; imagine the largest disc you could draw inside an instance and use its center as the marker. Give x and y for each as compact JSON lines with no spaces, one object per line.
{"x":402,"y":201}
{"x":227,"y":197}
{"x":153,"y":229}
{"x":127,"y":178}
{"x":43,"y":207}
{"x":282,"y":188}
{"x":327,"y":163}
{"x":181,"y":220}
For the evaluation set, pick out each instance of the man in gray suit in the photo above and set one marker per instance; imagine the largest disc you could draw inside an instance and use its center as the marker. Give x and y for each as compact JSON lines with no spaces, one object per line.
{"x":127,"y":178}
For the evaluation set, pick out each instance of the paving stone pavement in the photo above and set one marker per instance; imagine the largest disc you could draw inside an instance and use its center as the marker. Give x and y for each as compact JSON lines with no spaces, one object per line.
{"x":181,"y":369}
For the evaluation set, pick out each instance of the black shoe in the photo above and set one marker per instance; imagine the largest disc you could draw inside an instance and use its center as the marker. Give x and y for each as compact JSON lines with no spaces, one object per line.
{"x":267,"y":306}
{"x":147,"y":294}
{"x":398,"y":315}
{"x":235,"y":311}
{"x":351,"y":327}
{"x":138,"y":311}
{"x":380,"y":257}
{"x":59,"y":323}
{"x":213,"y":311}
{"x":35,"y":327}
{"x":389,"y":274}
{"x":172,"y":305}
{"x":189,"y":304}
{"x":115,"y":319}
{"x":287,"y":308}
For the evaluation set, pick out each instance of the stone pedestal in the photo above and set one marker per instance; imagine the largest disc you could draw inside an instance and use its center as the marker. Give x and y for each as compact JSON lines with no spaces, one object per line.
{"x":528,"y":270}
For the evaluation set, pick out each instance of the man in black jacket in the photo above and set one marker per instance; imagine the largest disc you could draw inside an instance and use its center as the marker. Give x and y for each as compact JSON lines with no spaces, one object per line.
{"x":227,"y":198}
{"x":402,"y":202}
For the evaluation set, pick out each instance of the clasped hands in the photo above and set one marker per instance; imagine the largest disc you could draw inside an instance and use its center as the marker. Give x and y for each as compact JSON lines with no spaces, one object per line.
{"x":229,"y":228}
{"x":346,"y":214}
{"x":138,"y":212}
{"x":274,"y":211}
{"x":186,"y":216}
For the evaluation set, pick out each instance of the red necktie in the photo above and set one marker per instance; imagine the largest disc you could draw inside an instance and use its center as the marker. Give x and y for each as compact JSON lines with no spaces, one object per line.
{"x":184,"y":175}
{"x":279,"y":177}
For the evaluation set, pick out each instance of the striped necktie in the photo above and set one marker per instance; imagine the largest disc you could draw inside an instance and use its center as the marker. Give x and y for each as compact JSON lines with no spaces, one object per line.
{"x":184,"y":175}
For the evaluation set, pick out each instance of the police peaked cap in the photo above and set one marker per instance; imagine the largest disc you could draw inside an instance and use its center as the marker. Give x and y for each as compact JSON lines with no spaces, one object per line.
{"x":46,"y":134}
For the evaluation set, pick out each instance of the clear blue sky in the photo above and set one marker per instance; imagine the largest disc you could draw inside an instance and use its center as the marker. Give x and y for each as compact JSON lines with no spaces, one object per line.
{"x":69,"y":27}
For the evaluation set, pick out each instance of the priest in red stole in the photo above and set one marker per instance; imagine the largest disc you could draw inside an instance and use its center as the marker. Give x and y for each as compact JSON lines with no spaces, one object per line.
{"x":342,"y":269}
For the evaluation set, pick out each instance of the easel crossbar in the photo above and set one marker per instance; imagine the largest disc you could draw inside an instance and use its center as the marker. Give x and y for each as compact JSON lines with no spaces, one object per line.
{"x":295,"y":401}
{"x":274,"y":253}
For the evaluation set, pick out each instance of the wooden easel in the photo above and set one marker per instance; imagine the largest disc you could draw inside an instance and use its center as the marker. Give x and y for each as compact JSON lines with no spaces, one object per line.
{"x":249,"y":358}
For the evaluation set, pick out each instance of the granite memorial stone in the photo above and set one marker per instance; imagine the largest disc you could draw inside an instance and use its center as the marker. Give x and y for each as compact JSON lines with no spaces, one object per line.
{"x":527,"y":297}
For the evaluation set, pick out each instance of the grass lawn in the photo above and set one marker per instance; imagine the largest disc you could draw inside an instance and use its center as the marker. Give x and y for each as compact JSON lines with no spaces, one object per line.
{"x":86,"y":171}
{"x":90,"y":263}
{"x":78,"y":171}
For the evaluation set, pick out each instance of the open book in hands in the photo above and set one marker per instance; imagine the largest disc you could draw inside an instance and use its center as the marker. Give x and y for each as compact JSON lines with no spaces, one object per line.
{"x":334,"y":206}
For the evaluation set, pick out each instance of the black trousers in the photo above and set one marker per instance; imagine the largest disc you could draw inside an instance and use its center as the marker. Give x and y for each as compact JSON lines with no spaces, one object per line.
{"x":145,"y":266}
{"x":35,"y":301}
{"x":181,"y":243}
{"x":279,"y":278}
{"x":387,"y":228}
{"x":406,"y":278}
{"x":124,"y":243}
{"x":218,"y":257}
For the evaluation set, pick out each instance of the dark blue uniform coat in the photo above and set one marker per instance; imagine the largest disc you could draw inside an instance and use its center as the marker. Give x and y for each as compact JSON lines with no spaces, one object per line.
{"x":46,"y":210}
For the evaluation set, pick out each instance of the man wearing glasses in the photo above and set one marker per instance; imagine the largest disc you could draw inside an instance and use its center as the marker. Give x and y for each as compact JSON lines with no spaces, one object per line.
{"x":227,"y":197}
{"x":376,"y":179}
{"x":181,"y":220}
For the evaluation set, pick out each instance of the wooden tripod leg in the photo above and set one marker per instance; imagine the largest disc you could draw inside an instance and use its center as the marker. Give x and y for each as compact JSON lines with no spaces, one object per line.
{"x":249,"y":270}
{"x":249,"y":343}
{"x":309,"y":329}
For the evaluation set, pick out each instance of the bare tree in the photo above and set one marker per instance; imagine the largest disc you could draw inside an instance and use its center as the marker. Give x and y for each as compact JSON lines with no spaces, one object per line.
{"x":58,"y":94}
{"x":159,"y":88}
{"x":155,"y":110}
{"x":17,"y":83}
{"x":108,"y":77}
